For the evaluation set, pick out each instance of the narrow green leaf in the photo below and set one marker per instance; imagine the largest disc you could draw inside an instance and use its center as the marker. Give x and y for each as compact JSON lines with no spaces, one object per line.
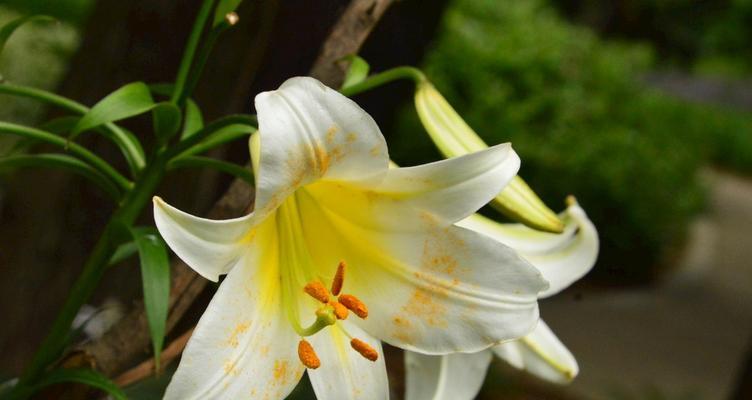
{"x":194,"y":120}
{"x":7,"y":30}
{"x":357,"y":72}
{"x":221,"y":136}
{"x":61,"y":125}
{"x":155,"y":276}
{"x":123,"y":252}
{"x":238,"y":171}
{"x":128,"y":101}
{"x":166,"y":118}
{"x":86,"y":376}
{"x":224,"y":7}
{"x":64,"y":162}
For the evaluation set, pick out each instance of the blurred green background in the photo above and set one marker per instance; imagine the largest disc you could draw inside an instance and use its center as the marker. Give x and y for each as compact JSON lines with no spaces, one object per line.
{"x":617,"y":103}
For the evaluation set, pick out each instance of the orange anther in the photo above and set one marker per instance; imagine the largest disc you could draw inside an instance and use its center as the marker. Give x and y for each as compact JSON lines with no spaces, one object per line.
{"x":307,"y":356}
{"x":364,"y":349}
{"x":354,"y":304}
{"x":339,"y":278}
{"x":318,"y":291}
{"x":339,"y":310}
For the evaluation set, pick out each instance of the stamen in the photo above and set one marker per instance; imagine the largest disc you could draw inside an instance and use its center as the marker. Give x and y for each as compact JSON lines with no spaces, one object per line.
{"x":339,"y":310}
{"x":307,"y":356}
{"x":339,"y":278}
{"x":318,"y":291}
{"x":354,"y":304}
{"x":364,"y":349}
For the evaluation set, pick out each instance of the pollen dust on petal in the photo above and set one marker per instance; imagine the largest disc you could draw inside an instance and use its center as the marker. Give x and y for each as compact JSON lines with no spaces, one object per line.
{"x":281,"y":373}
{"x":239,"y":329}
{"x":230,"y":367}
{"x":331,"y":133}
{"x":351,"y":137}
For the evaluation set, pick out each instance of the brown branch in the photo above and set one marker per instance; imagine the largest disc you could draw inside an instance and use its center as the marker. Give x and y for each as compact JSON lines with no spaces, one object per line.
{"x":129,"y":339}
{"x":147,"y":368}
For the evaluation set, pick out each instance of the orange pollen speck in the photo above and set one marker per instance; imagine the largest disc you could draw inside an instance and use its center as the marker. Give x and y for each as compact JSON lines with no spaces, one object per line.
{"x":339,"y":278}
{"x":364,"y":349}
{"x":307,"y":356}
{"x":318,"y":291}
{"x":354,"y":304}
{"x":339,"y":310}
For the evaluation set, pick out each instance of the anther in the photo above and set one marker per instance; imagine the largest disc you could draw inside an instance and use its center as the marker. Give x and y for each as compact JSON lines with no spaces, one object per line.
{"x":364,"y":349}
{"x":354,"y":304}
{"x":339,"y":310}
{"x":307,"y":356}
{"x":318,"y":291}
{"x":339,"y":278}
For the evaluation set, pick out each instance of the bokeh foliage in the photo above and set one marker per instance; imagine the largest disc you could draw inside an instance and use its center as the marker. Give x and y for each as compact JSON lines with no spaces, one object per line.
{"x":574,"y":109}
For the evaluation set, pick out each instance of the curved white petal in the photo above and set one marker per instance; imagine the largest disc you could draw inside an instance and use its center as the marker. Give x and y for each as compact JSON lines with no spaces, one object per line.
{"x":443,"y":290}
{"x":442,"y":192}
{"x":542,"y":354}
{"x":457,"y":376}
{"x":210,"y":247}
{"x":561,"y":258}
{"x":344,"y":373}
{"x":243,"y":347}
{"x":309,"y":132}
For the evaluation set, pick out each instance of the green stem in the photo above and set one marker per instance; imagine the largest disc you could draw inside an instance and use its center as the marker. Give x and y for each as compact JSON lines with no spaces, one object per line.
{"x":132,"y":152}
{"x":201,"y":58}
{"x":131,"y":206}
{"x":178,"y":93}
{"x":219,"y":138}
{"x":94,"y":160}
{"x":385,"y":77}
{"x":207,"y":162}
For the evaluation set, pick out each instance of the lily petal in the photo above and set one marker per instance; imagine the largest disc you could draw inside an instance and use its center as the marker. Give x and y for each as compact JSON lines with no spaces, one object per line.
{"x":443,"y":290}
{"x":209,"y":247}
{"x":308,"y":132}
{"x":243,"y":346}
{"x":457,"y":376}
{"x":344,"y":373}
{"x":442,"y":192}
{"x":542,"y":354}
{"x":561,"y":258}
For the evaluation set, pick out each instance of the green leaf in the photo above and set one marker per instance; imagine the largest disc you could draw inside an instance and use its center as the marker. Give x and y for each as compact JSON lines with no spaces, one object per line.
{"x":166,"y":118}
{"x":221,"y":136}
{"x":155,"y":275}
{"x":64,"y":162}
{"x":61,"y":125}
{"x":224,"y":7}
{"x":357,"y":72}
{"x":123,"y":252}
{"x":85,"y":376}
{"x":128,"y":101}
{"x":7,"y":30}
{"x":194,"y":120}
{"x":238,"y":171}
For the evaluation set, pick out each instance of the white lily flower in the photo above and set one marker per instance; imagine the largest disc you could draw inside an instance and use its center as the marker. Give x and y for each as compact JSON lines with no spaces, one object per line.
{"x":454,"y":137}
{"x":562,"y":259}
{"x":325,"y":196}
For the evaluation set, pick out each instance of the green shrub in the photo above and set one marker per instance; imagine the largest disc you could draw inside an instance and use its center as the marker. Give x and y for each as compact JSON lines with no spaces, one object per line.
{"x":582,"y":123}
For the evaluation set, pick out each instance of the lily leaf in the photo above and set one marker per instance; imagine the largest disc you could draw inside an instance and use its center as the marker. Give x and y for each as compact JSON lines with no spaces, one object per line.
{"x":86,"y":376}
{"x":238,"y":171}
{"x":224,"y":7}
{"x":123,"y":252}
{"x":128,"y":101}
{"x":357,"y":72}
{"x":155,"y":276}
{"x":194,"y":120}
{"x":166,"y":117}
{"x":64,"y":162}
{"x":7,"y":30}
